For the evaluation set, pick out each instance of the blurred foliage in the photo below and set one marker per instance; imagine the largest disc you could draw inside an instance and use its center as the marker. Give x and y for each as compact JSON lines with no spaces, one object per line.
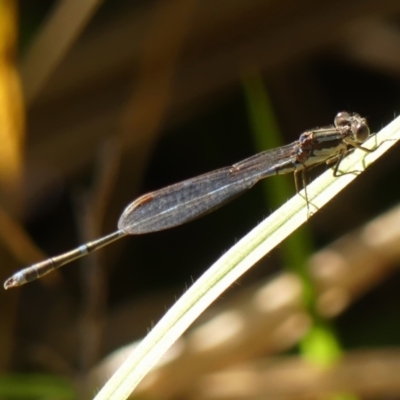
{"x":164,"y":80}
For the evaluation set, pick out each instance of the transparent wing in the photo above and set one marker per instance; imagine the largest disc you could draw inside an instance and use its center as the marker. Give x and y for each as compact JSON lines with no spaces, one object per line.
{"x":192,"y":198}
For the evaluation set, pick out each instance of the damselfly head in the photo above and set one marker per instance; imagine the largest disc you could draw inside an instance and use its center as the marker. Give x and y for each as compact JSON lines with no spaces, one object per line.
{"x":357,"y":126}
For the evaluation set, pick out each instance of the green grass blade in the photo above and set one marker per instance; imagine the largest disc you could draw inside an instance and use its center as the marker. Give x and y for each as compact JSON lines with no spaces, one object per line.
{"x":298,"y":247}
{"x":320,"y":345}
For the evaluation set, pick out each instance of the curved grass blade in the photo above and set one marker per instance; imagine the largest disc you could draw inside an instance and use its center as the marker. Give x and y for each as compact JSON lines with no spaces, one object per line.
{"x":234,"y":263}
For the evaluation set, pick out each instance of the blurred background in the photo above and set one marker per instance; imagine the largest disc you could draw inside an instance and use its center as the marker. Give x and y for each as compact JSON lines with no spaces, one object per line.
{"x":102,"y":101}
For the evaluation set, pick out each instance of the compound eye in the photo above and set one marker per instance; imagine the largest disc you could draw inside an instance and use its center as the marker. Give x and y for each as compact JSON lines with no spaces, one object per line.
{"x":361,"y":132}
{"x":342,"y":119}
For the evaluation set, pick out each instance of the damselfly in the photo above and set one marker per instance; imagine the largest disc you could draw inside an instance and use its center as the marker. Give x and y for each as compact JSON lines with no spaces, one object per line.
{"x":185,"y":201}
